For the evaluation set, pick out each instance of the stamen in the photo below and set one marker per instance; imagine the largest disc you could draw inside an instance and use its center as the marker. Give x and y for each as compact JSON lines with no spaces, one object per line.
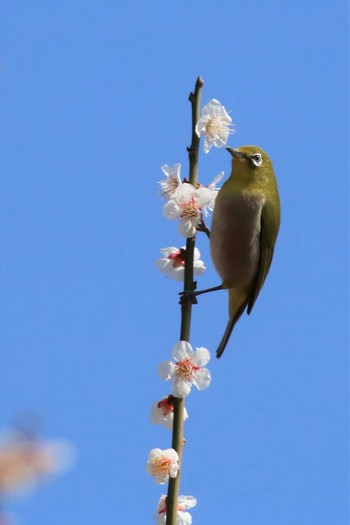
{"x":190,"y":208}
{"x":185,"y":369}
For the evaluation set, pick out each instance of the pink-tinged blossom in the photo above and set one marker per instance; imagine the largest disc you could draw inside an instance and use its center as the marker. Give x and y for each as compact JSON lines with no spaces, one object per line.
{"x":214,"y":125}
{"x":172,"y":180}
{"x":24,"y":462}
{"x":187,"y":370}
{"x":173,"y":263}
{"x":162,"y":464}
{"x":187,"y":204}
{"x":6,"y":519}
{"x":182,"y":517}
{"x":162,"y":412}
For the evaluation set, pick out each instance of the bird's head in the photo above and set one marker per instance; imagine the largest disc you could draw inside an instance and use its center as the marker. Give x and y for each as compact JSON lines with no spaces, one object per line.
{"x":251,"y":165}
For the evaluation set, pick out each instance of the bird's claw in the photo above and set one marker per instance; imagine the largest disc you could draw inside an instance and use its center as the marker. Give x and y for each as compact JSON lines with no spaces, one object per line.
{"x":188,"y":297}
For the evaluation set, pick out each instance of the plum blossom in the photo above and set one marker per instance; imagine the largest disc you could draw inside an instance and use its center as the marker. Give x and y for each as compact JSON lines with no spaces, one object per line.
{"x":162,"y":464}
{"x":187,"y":370}
{"x":187,"y":204}
{"x":6,"y":519}
{"x":173,"y":263}
{"x":162,"y":412}
{"x":172,"y":181}
{"x":24,"y":462}
{"x":182,"y":518}
{"x":214,"y":125}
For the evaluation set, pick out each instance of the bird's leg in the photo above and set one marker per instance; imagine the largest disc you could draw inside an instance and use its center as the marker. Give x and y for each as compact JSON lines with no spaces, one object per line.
{"x":191,"y":296}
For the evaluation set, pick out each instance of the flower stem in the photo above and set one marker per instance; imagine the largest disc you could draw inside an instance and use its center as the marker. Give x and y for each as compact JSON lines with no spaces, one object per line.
{"x":202,"y":227}
{"x":186,"y":311}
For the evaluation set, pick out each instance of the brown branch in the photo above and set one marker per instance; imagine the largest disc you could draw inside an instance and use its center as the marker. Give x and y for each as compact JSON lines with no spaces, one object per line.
{"x":186,"y":311}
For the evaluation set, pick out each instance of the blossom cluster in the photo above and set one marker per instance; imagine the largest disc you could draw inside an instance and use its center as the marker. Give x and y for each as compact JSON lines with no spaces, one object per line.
{"x":188,"y":205}
{"x":24,"y":462}
{"x":187,"y":369}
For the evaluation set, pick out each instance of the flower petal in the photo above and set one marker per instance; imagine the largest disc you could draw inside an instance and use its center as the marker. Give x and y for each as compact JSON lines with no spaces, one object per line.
{"x":211,"y":108}
{"x":169,"y":250}
{"x":216,"y":179}
{"x":172,"y":171}
{"x":207,"y":145}
{"x":202,"y":378}
{"x":184,"y":192}
{"x":198,"y":267}
{"x":163,"y":264}
{"x":196,"y":254}
{"x":164,"y":370}
{"x":187,"y":227}
{"x":171,"y":209}
{"x":203,"y":196}
{"x":183,"y":518}
{"x":187,"y":502}
{"x":181,"y":388}
{"x":171,"y":453}
{"x":182,"y":350}
{"x":161,"y":478}
{"x":178,"y":274}
{"x":201,"y":356}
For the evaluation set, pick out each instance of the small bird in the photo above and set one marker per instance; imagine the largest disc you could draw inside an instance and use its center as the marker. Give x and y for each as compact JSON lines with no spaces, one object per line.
{"x":244,"y":229}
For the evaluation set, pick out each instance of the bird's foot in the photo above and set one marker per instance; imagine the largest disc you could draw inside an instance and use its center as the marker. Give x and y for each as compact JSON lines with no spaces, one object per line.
{"x":189,"y":296}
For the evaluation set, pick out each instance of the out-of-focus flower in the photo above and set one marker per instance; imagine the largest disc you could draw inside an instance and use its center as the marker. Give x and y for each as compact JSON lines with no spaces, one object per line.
{"x":214,"y":125}
{"x":173,"y":262}
{"x":6,"y":519}
{"x":214,"y":190}
{"x":187,"y":370}
{"x":162,"y":412}
{"x":24,"y":462}
{"x":187,"y":204}
{"x":182,"y":518}
{"x":172,"y":181}
{"x":162,"y":464}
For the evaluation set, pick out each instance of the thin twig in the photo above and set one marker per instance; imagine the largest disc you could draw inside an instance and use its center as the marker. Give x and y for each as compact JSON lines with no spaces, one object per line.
{"x":202,"y":227}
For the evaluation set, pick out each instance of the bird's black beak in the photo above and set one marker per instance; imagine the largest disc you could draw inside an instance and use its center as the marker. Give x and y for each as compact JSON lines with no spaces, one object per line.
{"x":236,"y":153}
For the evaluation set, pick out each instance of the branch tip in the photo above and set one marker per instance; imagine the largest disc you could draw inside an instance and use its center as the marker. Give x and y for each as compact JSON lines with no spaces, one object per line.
{"x":200,"y":82}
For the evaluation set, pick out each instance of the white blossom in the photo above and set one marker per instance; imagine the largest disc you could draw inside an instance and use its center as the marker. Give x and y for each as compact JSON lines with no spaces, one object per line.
{"x":173,"y":262}
{"x":172,"y":181}
{"x":187,"y":370}
{"x":162,"y":412}
{"x":187,"y":204}
{"x":162,"y":464}
{"x":214,"y":125}
{"x":182,"y":518}
{"x":214,"y":190}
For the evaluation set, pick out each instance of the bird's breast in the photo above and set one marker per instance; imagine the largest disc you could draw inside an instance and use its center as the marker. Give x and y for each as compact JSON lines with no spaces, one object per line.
{"x":234,"y":238}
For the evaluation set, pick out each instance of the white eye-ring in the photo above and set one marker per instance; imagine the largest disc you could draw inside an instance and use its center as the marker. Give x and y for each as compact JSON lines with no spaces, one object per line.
{"x":256,"y":159}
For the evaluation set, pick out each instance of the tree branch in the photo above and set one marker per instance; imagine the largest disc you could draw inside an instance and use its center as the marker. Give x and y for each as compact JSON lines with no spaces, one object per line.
{"x":186,"y":311}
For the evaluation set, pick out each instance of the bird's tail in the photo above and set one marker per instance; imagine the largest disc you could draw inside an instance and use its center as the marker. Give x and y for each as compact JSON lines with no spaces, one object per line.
{"x":235,"y":314}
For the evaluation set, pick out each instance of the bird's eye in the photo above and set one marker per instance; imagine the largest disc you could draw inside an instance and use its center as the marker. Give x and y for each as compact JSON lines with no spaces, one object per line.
{"x":256,"y":159}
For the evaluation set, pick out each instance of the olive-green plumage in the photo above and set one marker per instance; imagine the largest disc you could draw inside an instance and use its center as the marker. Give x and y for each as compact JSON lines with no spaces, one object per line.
{"x":244,"y":229}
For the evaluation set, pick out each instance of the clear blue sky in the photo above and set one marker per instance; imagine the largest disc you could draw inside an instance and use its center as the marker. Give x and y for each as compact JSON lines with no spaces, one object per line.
{"x":94,"y":101}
